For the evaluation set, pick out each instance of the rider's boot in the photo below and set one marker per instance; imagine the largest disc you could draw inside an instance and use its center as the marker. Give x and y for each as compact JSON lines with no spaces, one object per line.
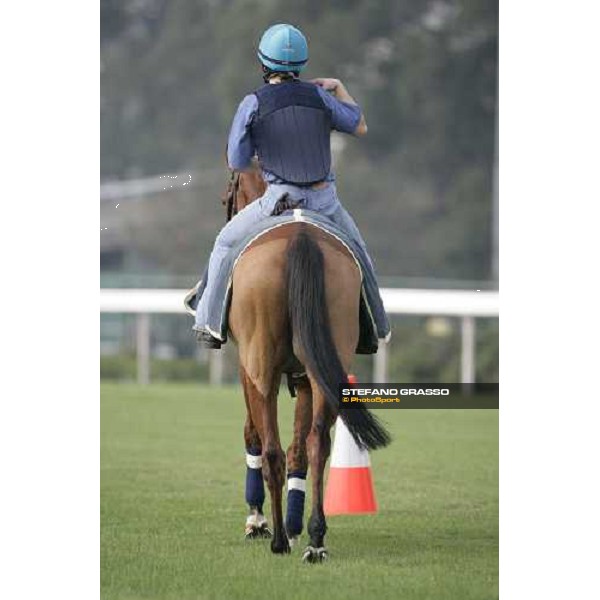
{"x":207,"y":340}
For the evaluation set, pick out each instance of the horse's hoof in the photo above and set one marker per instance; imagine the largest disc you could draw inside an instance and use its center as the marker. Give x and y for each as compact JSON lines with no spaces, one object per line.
{"x":255,"y":532}
{"x":264,"y":531}
{"x":280,"y":546}
{"x":314,"y":555}
{"x":257,"y":527}
{"x":251,"y":532}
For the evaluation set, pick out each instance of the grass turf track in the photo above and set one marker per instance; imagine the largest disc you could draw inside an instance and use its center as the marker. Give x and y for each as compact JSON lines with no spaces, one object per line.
{"x":173,"y":511}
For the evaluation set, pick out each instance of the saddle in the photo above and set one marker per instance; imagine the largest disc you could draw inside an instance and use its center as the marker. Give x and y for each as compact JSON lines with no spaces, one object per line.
{"x":220,"y":294}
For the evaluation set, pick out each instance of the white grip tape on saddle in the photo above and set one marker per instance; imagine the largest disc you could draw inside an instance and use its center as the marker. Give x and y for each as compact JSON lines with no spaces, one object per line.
{"x":295,"y":483}
{"x":253,"y":462}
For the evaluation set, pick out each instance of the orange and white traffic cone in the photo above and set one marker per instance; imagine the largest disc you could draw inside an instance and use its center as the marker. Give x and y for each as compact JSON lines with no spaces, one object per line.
{"x":350,"y":485}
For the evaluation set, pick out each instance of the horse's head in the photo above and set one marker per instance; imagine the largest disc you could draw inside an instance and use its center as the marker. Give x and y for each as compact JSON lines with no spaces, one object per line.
{"x":243,"y":187}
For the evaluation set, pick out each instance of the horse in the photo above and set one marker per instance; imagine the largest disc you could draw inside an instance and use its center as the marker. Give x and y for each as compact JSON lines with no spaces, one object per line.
{"x":295,"y":309}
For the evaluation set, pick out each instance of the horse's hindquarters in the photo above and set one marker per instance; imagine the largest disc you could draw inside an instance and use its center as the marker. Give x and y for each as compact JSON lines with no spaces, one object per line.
{"x":259,"y":309}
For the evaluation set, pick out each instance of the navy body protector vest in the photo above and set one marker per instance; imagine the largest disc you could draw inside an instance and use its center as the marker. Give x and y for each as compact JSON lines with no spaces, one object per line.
{"x":291,"y":132}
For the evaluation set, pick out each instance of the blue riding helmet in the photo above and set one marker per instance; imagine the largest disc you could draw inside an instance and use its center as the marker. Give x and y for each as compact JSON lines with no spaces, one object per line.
{"x":283,"y":48}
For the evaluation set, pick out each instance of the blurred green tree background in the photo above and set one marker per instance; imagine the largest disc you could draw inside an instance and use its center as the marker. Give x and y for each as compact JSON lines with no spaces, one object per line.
{"x":420,"y":183}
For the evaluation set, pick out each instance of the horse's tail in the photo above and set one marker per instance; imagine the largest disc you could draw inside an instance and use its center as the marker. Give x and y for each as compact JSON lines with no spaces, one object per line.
{"x":311,"y":331}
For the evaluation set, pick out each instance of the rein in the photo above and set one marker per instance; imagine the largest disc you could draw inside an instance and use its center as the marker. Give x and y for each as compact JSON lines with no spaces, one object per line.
{"x":230,"y":198}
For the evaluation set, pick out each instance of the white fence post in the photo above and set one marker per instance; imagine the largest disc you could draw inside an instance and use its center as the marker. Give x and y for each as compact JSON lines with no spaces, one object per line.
{"x":380,"y":363}
{"x":467,"y":362}
{"x":142,"y":334}
{"x":216,"y":366}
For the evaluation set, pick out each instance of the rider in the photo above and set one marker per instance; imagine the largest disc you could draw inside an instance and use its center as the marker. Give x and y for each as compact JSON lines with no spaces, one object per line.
{"x":287,"y":123}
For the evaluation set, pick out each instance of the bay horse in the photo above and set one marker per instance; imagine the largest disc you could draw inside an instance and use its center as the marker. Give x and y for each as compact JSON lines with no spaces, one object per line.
{"x":295,"y":307}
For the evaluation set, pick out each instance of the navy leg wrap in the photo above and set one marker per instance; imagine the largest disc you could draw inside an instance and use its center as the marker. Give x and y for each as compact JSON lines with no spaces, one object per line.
{"x":255,"y":486}
{"x":295,"y":502}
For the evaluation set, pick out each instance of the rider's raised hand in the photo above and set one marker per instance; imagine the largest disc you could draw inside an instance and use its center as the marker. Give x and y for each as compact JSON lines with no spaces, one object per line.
{"x":327,"y":83}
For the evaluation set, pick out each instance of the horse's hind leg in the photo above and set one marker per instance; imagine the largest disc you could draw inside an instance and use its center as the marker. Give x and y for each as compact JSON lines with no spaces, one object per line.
{"x":318,"y":444}
{"x":256,"y":523}
{"x":258,"y":318}
{"x":345,"y":337}
{"x":264,"y":414}
{"x":274,"y":471}
{"x":297,"y":461}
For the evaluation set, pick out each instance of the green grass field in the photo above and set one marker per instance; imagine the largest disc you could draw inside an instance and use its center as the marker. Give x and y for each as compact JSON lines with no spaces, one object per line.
{"x":173,"y":510}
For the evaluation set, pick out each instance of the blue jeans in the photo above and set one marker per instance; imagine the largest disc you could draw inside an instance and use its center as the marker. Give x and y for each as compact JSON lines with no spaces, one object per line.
{"x":324,"y":201}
